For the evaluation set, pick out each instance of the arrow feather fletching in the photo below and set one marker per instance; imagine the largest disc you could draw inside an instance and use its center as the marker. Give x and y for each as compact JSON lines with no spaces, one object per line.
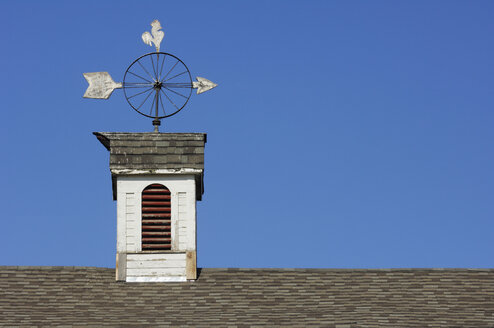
{"x":101,"y":85}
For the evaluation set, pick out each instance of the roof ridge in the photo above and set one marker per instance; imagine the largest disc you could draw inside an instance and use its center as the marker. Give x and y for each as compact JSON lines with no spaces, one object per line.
{"x":43,"y":267}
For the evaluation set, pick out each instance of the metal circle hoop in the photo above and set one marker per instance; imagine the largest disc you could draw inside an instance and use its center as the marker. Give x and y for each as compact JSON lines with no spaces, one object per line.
{"x":148,"y":85}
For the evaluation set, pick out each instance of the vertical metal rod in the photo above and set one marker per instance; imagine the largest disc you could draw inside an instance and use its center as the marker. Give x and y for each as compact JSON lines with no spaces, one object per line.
{"x":157,"y":89}
{"x":157,"y":99}
{"x":156,"y":121}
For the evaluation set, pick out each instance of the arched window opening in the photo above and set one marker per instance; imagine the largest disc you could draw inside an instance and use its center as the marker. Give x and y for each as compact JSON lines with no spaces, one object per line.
{"x":156,"y":218}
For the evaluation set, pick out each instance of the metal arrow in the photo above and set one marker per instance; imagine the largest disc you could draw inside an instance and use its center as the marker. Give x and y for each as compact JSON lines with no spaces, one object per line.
{"x":203,"y":85}
{"x":101,"y":85}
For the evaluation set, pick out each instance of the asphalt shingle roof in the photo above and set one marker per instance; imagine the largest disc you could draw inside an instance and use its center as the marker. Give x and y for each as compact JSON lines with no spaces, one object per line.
{"x":83,"y":296}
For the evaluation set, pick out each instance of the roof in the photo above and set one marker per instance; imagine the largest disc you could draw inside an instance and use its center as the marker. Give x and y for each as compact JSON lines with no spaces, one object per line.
{"x":230,"y":297}
{"x":152,"y":153}
{"x":154,"y":150}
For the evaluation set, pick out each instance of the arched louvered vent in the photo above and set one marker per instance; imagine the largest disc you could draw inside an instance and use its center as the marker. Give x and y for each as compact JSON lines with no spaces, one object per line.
{"x":156,"y":218}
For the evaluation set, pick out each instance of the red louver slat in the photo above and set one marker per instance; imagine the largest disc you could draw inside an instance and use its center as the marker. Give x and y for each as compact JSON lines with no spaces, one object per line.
{"x":155,"y":197}
{"x":151,"y":203}
{"x":156,"y":233}
{"x":155,"y":209}
{"x":156,"y":215}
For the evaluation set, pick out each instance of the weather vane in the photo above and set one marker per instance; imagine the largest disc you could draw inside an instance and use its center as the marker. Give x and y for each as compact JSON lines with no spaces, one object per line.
{"x":156,"y":85}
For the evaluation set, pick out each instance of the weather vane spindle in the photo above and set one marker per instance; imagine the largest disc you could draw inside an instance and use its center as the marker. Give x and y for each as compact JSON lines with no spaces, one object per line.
{"x":151,"y":81}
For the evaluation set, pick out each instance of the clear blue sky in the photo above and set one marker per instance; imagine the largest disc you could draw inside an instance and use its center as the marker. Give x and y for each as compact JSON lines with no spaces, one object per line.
{"x":349,"y":134}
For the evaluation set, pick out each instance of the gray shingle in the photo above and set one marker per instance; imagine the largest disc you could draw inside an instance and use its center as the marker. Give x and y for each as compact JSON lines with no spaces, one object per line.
{"x":155,"y":151}
{"x":252,"y":297}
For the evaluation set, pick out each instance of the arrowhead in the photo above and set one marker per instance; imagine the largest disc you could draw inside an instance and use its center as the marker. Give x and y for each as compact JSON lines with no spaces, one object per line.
{"x":203,"y":85}
{"x":101,"y":85}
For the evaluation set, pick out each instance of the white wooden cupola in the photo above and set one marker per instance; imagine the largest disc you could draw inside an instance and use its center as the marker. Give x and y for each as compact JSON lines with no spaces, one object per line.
{"x":157,"y":179}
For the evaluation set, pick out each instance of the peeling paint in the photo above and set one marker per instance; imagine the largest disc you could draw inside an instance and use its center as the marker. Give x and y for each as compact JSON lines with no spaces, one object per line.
{"x":156,"y":171}
{"x":156,"y":279}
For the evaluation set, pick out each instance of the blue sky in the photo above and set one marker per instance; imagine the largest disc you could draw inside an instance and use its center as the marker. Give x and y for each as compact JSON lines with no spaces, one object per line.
{"x":343,"y":134}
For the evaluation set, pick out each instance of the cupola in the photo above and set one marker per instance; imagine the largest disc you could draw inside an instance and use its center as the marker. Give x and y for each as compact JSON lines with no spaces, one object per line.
{"x":156,"y":179}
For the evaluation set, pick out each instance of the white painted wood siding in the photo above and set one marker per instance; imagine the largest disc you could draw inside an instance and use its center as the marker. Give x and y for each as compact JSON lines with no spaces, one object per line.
{"x":128,"y":223}
{"x":183,"y":202}
{"x":144,"y":265}
{"x":121,"y":225}
{"x":182,"y":220}
{"x":132,"y":223}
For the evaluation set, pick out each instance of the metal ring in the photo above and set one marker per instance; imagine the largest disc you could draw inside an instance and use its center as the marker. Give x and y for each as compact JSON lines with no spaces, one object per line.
{"x":147,"y":82}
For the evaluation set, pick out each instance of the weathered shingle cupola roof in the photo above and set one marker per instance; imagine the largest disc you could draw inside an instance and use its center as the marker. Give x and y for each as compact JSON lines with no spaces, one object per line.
{"x":155,"y":153}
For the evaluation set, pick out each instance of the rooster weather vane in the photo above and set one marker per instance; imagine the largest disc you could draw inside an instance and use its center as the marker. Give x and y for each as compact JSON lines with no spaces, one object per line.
{"x":156,"y":85}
